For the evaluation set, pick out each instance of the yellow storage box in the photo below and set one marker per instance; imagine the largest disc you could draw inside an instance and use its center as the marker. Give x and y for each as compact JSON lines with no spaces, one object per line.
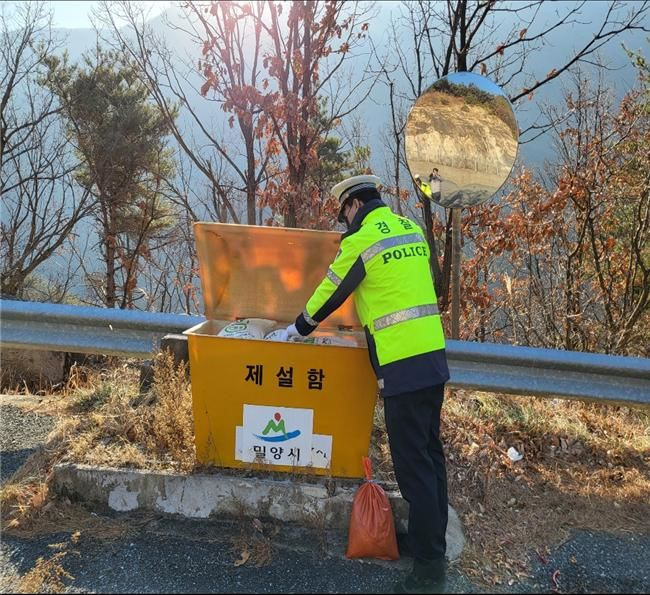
{"x":286,"y":406}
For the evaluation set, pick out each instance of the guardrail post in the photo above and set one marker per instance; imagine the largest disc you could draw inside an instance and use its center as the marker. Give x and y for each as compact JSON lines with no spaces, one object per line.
{"x":176,"y":344}
{"x":146,"y":375}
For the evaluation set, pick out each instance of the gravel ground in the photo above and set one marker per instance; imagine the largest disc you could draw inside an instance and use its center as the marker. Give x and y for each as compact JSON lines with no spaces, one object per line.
{"x":22,"y":432}
{"x":173,"y":555}
{"x":189,"y":556}
{"x":591,"y":562}
{"x":176,"y":555}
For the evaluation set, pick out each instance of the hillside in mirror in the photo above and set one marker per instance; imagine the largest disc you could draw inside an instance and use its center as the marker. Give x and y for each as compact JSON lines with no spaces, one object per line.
{"x":465,"y":127}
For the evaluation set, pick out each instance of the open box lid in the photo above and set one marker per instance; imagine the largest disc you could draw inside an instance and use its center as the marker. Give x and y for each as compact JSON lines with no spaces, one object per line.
{"x":249,"y":271}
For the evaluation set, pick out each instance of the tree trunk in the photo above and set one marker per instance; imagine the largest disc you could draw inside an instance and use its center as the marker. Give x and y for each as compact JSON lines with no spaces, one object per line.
{"x":443,"y":297}
{"x":251,"y":186}
{"x":433,"y":248}
{"x":111,"y":298}
{"x":455,"y":281}
{"x":110,"y":242}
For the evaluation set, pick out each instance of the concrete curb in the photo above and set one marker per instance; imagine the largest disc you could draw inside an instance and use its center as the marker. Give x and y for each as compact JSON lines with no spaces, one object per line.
{"x":206,"y":495}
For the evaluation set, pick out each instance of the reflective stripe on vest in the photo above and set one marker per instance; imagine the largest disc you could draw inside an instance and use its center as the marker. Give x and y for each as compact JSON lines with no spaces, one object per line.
{"x":333,"y":277}
{"x":381,"y":245}
{"x":308,"y":318}
{"x":404,"y":315}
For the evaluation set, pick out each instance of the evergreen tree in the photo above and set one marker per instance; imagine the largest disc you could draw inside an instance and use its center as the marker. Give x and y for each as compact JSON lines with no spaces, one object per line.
{"x":120,"y":139}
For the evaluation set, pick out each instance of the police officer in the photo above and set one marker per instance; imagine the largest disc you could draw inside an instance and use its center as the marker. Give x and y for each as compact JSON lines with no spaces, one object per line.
{"x":424,"y":187}
{"x":384,"y":259}
{"x":435,"y":183}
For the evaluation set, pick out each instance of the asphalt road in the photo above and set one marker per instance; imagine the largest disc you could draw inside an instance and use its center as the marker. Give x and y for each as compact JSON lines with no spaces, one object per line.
{"x":166,"y":555}
{"x":176,"y":555}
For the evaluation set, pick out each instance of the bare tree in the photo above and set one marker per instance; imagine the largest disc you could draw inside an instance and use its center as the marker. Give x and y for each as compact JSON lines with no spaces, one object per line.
{"x":172,"y":82}
{"x":467,"y":35}
{"x":41,"y":204}
{"x":171,"y":280}
{"x":565,"y":264}
{"x":309,"y":50}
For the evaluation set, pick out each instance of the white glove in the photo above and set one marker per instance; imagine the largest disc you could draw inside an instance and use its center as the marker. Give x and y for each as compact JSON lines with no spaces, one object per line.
{"x":290,"y":331}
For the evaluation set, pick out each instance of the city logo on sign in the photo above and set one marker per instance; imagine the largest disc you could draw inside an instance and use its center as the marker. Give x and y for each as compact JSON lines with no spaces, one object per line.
{"x":277,"y":425}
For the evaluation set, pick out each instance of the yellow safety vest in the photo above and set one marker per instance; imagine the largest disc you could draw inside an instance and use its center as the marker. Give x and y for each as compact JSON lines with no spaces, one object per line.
{"x":384,"y":259}
{"x":426,"y":190}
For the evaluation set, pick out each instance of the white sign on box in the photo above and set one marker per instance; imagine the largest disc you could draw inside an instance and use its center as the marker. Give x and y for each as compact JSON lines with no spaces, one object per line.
{"x":277,"y":435}
{"x":321,"y":449}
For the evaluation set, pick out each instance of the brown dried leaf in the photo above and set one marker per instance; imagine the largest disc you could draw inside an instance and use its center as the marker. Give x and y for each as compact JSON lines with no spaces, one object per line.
{"x":245,"y":555}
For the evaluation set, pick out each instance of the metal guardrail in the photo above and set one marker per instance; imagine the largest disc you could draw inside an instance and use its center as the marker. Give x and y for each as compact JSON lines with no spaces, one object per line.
{"x":481,"y":366}
{"x":86,"y":329}
{"x":549,"y":372}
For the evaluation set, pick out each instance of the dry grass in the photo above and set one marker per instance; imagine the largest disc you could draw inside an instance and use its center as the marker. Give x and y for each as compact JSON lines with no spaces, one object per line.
{"x":584,"y":466}
{"x":20,"y":378}
{"x":253,"y":545}
{"x":111,"y":423}
{"x":48,"y":575}
{"x":104,"y":420}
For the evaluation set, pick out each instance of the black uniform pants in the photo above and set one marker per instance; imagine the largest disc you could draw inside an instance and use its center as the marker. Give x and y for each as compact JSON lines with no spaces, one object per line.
{"x":413,"y":426}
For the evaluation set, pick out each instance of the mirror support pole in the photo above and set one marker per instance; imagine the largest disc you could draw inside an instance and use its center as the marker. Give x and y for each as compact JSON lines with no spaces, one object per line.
{"x":433,"y":248}
{"x":455,"y":271}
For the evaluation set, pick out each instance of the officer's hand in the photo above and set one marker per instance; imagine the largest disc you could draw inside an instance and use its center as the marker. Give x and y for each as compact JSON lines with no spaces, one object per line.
{"x":290,"y":331}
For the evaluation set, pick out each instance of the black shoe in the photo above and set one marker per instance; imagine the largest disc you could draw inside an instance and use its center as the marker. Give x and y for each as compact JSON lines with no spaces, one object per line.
{"x":403,"y":546}
{"x":419,"y":584}
{"x":428,"y":576}
{"x":430,"y":568}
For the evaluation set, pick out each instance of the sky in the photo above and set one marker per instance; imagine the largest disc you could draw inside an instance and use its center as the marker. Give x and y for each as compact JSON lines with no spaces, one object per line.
{"x":469,"y":78}
{"x":77,"y":15}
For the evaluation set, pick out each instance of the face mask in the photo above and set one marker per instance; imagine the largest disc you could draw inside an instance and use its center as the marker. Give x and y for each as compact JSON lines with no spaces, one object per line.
{"x":348,"y":223}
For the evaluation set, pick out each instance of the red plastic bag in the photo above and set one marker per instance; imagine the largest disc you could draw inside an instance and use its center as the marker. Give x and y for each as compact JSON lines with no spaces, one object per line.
{"x":372,"y":528}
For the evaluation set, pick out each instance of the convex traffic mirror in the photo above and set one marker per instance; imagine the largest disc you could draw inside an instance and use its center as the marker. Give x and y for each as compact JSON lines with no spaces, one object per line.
{"x":461,"y":139}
